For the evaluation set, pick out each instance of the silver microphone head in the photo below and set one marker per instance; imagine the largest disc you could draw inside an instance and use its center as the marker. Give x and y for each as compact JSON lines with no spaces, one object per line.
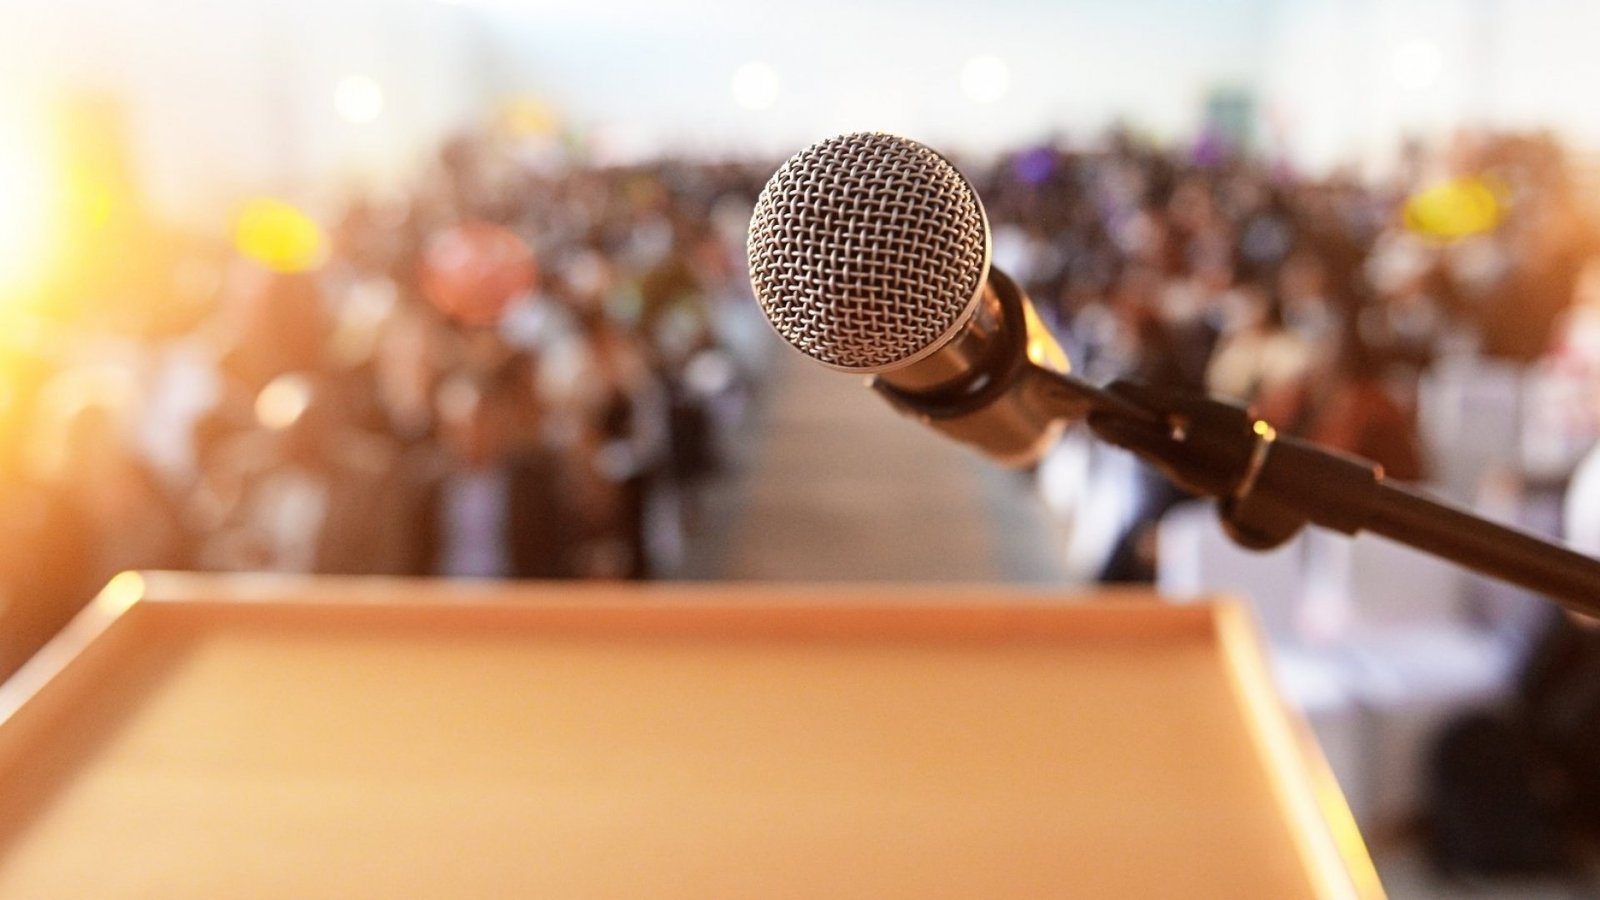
{"x":868,"y":251}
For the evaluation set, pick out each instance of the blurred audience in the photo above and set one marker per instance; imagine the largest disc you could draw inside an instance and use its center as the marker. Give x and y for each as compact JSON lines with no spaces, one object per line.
{"x":526,"y":366}
{"x":1329,"y":306}
{"x":518,"y":370}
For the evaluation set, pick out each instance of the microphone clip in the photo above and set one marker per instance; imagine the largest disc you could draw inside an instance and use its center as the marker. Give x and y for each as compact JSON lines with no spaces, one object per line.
{"x":1266,"y":486}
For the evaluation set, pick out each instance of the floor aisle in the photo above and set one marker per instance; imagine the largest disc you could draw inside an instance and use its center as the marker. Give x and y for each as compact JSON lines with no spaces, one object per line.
{"x":838,"y":487}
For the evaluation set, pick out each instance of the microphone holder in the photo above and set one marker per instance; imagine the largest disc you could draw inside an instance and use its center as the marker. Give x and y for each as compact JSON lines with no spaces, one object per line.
{"x":1269,"y":486}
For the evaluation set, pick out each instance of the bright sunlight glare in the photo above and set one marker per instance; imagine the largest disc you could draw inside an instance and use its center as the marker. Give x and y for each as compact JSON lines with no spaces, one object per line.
{"x":26,"y":210}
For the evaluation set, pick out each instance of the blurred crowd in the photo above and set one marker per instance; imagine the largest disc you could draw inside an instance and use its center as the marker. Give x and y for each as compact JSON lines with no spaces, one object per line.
{"x":1330,"y":305}
{"x":519,"y":369}
{"x":527,"y":368}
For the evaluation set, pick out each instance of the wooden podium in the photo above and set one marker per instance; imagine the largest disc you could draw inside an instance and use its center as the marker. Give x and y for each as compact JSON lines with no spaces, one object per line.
{"x":241,"y":736}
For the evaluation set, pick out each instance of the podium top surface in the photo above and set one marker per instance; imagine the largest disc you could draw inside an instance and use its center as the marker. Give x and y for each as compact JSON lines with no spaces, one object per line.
{"x":212,"y":736}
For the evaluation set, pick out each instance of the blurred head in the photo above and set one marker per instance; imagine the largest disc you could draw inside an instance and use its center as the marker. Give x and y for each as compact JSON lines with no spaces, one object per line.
{"x":413,"y":347}
{"x":80,"y":423}
{"x":1253,"y":306}
{"x":1353,"y":360}
{"x":486,"y":416}
{"x":473,"y":271}
{"x":278,"y":323}
{"x":1303,"y":277}
{"x":1136,"y":293}
{"x":588,"y":280}
{"x":1213,"y":266}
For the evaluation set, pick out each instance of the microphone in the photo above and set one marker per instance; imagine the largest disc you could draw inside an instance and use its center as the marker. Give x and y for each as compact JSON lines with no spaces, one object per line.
{"x":870,"y":253}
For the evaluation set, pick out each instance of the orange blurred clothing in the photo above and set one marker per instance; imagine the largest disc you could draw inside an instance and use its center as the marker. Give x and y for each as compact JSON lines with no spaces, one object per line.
{"x":1360,"y":417}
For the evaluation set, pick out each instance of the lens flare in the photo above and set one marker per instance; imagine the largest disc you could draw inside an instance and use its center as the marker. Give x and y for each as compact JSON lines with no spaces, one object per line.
{"x":27,"y":214}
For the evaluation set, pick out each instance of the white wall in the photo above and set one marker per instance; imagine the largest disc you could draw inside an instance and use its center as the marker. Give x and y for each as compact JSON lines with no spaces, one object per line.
{"x":1341,"y":75}
{"x":225,"y":96}
{"x":663,"y":70}
{"x":228,"y":96}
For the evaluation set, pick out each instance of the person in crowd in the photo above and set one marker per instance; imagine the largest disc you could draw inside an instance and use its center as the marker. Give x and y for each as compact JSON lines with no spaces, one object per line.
{"x":84,"y":507}
{"x":304,"y":490}
{"x":1576,"y":347}
{"x":1310,"y":310}
{"x":271,"y":324}
{"x":499,"y":505}
{"x":129,"y":517}
{"x":1356,"y":412}
{"x":1151,"y":353}
{"x":1259,"y":361}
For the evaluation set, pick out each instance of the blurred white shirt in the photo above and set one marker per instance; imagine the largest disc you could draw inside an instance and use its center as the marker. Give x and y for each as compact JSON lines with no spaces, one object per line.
{"x":1583,"y":506}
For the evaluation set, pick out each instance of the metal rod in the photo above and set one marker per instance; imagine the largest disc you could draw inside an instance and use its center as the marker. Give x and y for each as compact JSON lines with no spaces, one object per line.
{"x":1508,"y":553}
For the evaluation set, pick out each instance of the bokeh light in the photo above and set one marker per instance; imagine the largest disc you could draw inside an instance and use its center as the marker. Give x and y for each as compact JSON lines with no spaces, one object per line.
{"x":123,"y":591}
{"x":358,"y":99}
{"x":279,"y":236}
{"x":473,"y":271}
{"x":1416,"y":65}
{"x":1454,"y":209}
{"x":755,"y":86}
{"x":985,"y":79}
{"x":529,"y":116}
{"x":283,"y":401}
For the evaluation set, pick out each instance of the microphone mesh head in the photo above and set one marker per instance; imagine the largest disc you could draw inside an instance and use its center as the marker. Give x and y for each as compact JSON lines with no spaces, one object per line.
{"x":867,"y":250}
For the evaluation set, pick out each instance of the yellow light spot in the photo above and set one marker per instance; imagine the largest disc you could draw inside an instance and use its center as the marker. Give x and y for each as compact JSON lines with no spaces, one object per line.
{"x":1454,"y":209}
{"x":124,"y":590}
{"x":279,"y":236}
{"x":530,"y":117}
{"x":92,"y":202}
{"x":1264,"y":430}
{"x":19,"y":330}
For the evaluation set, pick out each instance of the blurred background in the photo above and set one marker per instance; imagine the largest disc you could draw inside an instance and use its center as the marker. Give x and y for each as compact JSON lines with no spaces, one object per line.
{"x":458,"y":289}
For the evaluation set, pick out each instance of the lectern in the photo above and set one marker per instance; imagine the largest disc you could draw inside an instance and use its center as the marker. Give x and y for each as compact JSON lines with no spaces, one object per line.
{"x":238,"y":736}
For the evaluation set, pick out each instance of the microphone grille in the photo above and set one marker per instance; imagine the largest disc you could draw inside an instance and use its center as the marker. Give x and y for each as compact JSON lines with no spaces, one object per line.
{"x":867,"y":250}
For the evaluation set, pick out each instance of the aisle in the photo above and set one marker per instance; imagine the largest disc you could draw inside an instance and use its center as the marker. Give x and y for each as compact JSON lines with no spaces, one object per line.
{"x":839,"y":488}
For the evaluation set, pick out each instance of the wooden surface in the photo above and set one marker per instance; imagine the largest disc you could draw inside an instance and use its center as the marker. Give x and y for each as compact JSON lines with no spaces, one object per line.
{"x":385,"y":739}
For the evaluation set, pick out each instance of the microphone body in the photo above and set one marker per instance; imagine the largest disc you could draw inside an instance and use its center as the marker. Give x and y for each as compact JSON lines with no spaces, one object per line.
{"x":983,"y":387}
{"x":870,"y":253}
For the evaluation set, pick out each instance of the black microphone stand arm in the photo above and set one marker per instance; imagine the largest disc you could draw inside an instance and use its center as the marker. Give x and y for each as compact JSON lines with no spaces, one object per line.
{"x":1270,"y":485}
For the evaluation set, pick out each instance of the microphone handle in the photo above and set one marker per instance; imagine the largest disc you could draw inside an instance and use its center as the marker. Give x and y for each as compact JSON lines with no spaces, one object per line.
{"x":1271,"y":486}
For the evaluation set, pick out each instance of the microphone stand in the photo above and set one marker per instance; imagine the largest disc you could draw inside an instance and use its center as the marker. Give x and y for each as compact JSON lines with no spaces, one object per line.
{"x":1269,"y":486}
